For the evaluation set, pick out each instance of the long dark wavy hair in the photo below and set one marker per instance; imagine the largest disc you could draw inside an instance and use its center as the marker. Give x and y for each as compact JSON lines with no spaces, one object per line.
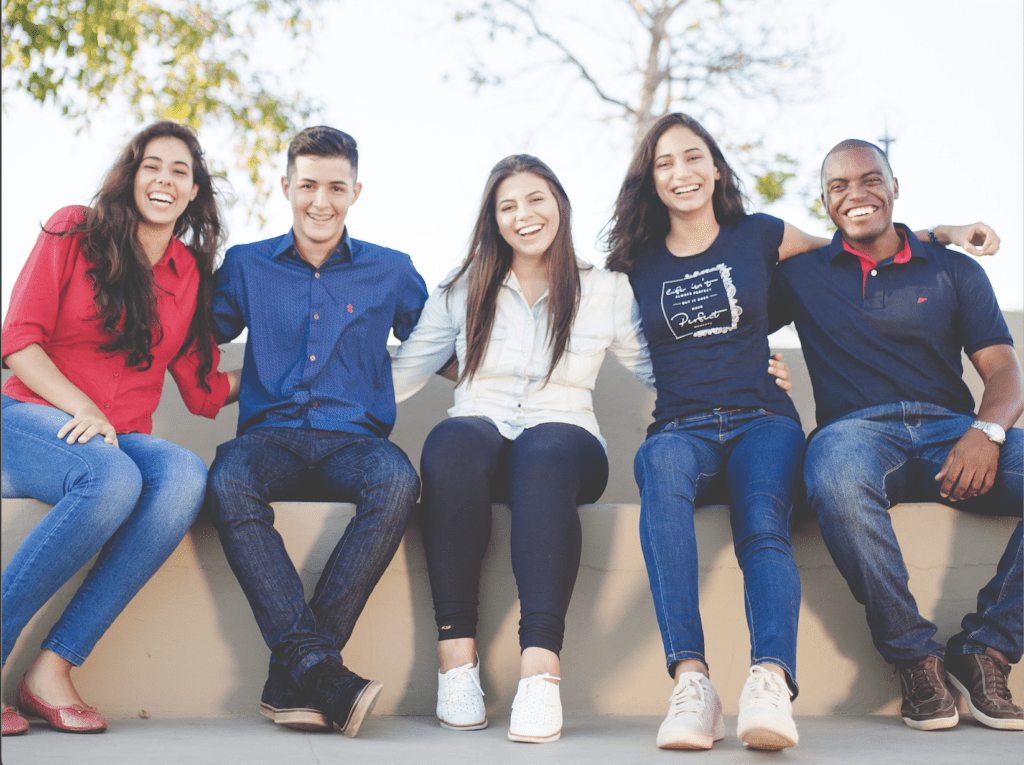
{"x":123,"y":287}
{"x":641,"y":217}
{"x":490,"y":258}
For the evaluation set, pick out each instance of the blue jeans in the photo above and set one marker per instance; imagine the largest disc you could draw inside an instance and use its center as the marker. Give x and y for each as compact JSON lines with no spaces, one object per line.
{"x":132,"y":505}
{"x":543,"y":474}
{"x":755,"y":456}
{"x":273,"y":463}
{"x":859,"y":466}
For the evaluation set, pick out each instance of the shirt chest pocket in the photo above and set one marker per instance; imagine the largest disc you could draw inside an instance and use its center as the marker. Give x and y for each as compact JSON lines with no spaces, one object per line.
{"x":581,"y":361}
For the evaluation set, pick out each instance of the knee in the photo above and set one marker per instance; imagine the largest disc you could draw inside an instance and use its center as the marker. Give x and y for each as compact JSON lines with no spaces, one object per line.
{"x":180,"y":485}
{"x":112,"y":486}
{"x":665,"y":464}
{"x":457,"y":444}
{"x":228,"y":483}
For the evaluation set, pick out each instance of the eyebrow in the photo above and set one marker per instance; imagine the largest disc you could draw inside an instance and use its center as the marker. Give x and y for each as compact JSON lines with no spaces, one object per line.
{"x":685,"y":151}
{"x":529,"y":194}
{"x":328,"y":183}
{"x":862,"y":175}
{"x":161,"y":159}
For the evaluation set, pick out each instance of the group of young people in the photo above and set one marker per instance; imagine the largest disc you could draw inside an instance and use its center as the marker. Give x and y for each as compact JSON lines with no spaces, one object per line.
{"x":115,"y":294}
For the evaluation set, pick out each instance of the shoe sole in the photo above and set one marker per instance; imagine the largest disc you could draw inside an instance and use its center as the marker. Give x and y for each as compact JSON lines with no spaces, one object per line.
{"x":977,"y":714}
{"x":362,"y":707}
{"x":306,"y":719}
{"x":518,"y":737}
{"x":936,"y":723}
{"x":767,"y":739}
{"x":693,"y":742}
{"x":471,"y":726}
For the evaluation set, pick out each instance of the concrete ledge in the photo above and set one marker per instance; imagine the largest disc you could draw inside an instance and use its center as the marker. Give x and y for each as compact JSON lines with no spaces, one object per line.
{"x":188,"y":646}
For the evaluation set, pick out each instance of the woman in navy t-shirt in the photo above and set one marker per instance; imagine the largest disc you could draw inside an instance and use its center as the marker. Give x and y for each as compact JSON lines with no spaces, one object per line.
{"x":700,"y":268}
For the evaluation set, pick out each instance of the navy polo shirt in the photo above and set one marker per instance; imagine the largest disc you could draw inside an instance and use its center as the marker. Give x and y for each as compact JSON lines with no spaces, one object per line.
{"x":705,"y":318}
{"x":316,"y":355}
{"x":897,"y":340}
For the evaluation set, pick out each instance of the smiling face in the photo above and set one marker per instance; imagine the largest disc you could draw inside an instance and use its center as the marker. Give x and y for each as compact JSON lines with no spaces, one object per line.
{"x":858,"y":190}
{"x":321,"y":190}
{"x":163,"y":183}
{"x":527,"y":213}
{"x":684,"y":171}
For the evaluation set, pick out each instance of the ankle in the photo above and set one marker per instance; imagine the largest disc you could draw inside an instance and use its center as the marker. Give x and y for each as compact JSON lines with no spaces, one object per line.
{"x":456,"y":653}
{"x":540,"y":661}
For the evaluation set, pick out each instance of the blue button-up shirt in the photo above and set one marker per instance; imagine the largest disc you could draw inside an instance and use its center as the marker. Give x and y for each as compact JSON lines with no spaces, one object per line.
{"x":316,"y":355}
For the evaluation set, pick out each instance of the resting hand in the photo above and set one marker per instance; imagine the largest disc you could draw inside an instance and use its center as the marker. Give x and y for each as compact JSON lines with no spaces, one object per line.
{"x":976,"y":239}
{"x":778,"y":368}
{"x":970,"y":468}
{"x":86,"y":423}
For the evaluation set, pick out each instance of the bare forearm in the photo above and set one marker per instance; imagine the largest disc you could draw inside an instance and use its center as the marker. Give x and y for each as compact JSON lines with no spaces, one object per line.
{"x":35,"y":369}
{"x":1002,"y":402}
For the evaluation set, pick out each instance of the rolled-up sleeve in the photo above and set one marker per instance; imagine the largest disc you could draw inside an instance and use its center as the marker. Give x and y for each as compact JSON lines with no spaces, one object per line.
{"x":197,"y":400}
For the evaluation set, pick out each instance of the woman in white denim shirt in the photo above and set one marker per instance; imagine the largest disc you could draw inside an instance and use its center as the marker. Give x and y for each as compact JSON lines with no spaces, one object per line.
{"x":522,"y":430}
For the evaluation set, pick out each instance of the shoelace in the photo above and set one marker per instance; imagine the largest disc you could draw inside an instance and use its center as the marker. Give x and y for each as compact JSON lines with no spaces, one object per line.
{"x":458,"y":680}
{"x":687,"y":699}
{"x":921,"y":684}
{"x":995,"y":677}
{"x":769,"y":690}
{"x":533,"y":680}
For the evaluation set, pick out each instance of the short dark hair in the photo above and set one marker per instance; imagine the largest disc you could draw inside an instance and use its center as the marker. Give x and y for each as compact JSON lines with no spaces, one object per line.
{"x":323,"y":141}
{"x":855,"y":143}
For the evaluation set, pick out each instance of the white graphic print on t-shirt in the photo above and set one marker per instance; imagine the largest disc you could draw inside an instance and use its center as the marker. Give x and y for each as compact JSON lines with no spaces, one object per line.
{"x":701,"y":303}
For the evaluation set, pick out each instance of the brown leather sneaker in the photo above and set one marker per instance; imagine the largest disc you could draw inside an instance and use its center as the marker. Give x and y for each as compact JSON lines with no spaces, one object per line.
{"x":927,"y":702}
{"x":982,"y":681}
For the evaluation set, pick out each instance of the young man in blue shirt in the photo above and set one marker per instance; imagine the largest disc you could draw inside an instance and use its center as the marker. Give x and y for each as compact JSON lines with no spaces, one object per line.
{"x":315,"y":410}
{"x":896,"y":423}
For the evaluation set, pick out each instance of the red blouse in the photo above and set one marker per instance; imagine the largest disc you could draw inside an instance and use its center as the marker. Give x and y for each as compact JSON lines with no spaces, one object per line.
{"x":52,"y":305}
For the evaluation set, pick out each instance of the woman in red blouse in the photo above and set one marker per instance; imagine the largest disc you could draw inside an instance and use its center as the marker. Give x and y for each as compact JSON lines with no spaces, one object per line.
{"x":109,"y":300}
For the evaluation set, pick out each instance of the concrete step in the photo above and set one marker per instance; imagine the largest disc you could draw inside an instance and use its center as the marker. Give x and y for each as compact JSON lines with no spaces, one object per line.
{"x":188,"y":646}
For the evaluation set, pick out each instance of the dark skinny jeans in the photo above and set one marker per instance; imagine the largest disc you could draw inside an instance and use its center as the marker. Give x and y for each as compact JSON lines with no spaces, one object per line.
{"x":543,"y":475}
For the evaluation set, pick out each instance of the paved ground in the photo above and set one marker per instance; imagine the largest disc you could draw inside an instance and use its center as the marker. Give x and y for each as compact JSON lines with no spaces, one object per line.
{"x":418,"y":740}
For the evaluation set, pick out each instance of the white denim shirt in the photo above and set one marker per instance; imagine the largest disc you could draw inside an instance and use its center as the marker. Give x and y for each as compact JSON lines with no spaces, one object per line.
{"x":509,"y":388}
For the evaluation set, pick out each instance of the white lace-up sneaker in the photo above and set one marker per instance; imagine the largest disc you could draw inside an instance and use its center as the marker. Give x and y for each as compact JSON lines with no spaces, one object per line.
{"x":460,"y":699}
{"x":694,"y":719}
{"x":766,"y":712}
{"x":536,"y":711}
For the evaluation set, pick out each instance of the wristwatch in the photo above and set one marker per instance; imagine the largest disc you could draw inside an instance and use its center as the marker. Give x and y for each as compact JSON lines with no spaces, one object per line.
{"x":993,"y":430}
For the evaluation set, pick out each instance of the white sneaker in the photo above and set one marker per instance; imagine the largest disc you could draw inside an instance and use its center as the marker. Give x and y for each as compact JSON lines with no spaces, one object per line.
{"x":766,"y":712}
{"x":694,"y":719}
{"x":536,"y":711}
{"x":460,"y":699}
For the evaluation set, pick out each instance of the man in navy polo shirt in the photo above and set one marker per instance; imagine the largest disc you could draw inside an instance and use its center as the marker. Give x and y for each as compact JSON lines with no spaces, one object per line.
{"x":315,"y":411}
{"x":896,"y":423}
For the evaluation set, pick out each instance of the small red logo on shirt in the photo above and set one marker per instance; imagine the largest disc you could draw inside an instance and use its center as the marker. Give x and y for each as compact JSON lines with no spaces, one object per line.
{"x":919,"y":300}
{"x":350,"y":308}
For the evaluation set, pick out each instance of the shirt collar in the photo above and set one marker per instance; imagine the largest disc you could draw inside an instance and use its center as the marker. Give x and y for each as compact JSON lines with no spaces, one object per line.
{"x":917,"y":248}
{"x":344,"y":250}
{"x":174,"y":250}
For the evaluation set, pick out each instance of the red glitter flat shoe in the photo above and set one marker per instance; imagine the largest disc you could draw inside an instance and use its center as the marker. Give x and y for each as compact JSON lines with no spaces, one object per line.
{"x":13,"y":723}
{"x":71,"y":719}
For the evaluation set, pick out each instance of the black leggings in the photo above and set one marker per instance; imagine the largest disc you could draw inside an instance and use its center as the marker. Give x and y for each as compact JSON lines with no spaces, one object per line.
{"x":544,"y":474}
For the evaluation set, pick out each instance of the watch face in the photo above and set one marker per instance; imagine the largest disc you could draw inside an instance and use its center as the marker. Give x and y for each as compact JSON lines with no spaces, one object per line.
{"x":993,"y":430}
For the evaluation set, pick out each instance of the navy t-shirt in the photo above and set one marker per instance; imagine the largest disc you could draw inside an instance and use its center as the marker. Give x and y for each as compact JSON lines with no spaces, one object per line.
{"x":705,"y":318}
{"x":895,"y":336}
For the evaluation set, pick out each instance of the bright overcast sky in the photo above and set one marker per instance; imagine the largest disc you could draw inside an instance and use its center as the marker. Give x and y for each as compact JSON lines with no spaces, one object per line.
{"x":948,"y":78}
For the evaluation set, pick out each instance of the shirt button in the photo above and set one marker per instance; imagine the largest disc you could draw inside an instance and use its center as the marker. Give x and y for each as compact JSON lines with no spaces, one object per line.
{"x":316,"y":316}
{"x":874,"y":272}
{"x":106,"y":406}
{"x":115,"y":374}
{"x":312,"y":357}
{"x":316,"y":275}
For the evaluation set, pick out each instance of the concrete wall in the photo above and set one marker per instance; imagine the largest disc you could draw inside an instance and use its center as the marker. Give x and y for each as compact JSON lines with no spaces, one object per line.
{"x":188,"y":645}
